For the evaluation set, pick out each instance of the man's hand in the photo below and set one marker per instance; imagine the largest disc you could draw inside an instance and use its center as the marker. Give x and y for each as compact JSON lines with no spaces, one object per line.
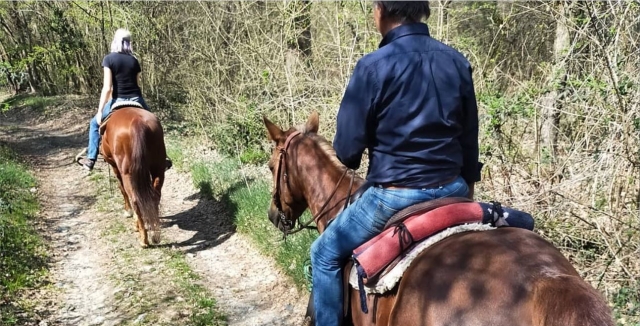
{"x":471,"y":190}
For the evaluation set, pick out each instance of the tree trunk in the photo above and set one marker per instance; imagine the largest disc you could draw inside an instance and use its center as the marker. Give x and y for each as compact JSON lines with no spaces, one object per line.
{"x":442,"y":28}
{"x":550,"y":102}
{"x":302,"y":27}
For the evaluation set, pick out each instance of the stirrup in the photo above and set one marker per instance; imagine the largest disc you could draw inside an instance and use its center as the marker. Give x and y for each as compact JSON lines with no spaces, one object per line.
{"x":79,"y":156}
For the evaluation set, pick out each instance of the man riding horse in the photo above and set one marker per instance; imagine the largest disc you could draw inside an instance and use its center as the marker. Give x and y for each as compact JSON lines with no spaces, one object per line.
{"x":121,"y":75}
{"x":412,"y":104}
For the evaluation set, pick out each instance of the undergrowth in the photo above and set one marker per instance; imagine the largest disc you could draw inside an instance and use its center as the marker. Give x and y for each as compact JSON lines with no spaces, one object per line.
{"x":22,"y":251}
{"x":35,"y":103}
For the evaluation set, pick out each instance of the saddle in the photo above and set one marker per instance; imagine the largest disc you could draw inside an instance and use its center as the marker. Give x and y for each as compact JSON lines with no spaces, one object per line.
{"x":114,"y":107}
{"x":377,"y":265}
{"x":419,"y":222}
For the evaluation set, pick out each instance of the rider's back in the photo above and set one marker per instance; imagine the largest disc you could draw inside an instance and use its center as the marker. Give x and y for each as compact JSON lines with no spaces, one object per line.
{"x":421,"y":117}
{"x":124,"y":69}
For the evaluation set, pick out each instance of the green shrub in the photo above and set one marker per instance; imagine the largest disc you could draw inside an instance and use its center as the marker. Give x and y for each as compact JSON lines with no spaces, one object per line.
{"x":22,"y":252}
{"x":241,"y":136}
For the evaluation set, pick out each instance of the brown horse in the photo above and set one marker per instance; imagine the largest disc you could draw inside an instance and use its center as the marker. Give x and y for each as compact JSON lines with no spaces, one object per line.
{"x":501,"y":277}
{"x":133,"y":144}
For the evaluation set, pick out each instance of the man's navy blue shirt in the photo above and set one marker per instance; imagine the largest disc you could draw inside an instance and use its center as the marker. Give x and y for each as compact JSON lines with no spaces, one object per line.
{"x":412,"y":104}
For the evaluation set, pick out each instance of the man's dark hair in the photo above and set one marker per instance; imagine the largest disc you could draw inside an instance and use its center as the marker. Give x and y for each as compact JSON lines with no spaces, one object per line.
{"x":404,"y":11}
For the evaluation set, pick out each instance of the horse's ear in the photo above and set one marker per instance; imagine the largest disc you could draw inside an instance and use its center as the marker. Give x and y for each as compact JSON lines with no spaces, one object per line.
{"x":275,"y":133}
{"x":313,"y":122}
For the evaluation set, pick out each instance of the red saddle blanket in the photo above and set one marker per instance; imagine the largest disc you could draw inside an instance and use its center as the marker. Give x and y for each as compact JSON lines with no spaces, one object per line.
{"x":372,"y":257}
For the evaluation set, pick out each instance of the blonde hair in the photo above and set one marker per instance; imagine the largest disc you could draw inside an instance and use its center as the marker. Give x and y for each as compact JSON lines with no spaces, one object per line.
{"x":122,"y":42}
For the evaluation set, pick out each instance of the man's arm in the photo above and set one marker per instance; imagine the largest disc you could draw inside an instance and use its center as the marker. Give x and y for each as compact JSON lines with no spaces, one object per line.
{"x":351,"y":137}
{"x":469,"y":138}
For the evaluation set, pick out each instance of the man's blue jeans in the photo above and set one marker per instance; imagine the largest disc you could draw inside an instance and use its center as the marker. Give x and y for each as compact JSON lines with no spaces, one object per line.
{"x":94,"y":128}
{"x":356,"y":225}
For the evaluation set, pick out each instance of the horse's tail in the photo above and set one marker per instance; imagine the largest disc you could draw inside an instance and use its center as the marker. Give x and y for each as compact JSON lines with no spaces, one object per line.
{"x":145,"y":196}
{"x":566,"y":300}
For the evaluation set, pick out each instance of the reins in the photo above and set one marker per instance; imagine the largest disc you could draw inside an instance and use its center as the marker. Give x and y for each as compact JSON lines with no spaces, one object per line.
{"x":281,"y":171}
{"x":314,"y":219}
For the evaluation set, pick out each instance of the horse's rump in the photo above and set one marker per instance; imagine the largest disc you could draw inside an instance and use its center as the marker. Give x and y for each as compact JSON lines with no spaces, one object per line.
{"x":505,"y":276}
{"x":115,"y":107}
{"x":582,"y":304}
{"x":128,"y":124}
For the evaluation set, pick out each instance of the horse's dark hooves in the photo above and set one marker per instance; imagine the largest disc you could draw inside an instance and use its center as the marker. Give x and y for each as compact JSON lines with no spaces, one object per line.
{"x":155,"y":239}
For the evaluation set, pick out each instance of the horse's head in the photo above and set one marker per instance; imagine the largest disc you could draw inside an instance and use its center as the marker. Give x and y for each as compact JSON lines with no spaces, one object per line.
{"x":287,"y":200}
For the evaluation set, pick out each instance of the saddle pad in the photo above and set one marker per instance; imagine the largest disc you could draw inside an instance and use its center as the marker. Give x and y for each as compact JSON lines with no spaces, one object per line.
{"x":121,"y":104}
{"x":389,"y":280}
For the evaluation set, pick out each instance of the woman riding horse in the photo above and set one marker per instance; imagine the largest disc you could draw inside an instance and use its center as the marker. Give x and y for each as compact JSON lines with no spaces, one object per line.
{"x":121,"y":75}
{"x":417,"y":98}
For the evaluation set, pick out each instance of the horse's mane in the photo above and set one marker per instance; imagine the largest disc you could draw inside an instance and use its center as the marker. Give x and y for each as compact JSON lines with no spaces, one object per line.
{"x":324,"y":145}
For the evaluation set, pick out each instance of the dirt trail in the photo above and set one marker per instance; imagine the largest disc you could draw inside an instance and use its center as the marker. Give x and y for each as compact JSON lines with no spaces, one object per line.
{"x":248,"y":287}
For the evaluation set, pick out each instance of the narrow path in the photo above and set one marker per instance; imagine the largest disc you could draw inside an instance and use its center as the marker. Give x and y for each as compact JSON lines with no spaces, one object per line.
{"x":248,"y":287}
{"x":79,"y":261}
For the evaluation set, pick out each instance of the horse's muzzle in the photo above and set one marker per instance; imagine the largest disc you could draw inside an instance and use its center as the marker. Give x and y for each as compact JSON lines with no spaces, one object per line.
{"x":279,"y":220}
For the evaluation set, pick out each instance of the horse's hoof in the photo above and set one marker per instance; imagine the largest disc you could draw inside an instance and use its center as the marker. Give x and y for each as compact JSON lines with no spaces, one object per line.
{"x":127,"y":214}
{"x":143,"y":244}
{"x":155,"y":239}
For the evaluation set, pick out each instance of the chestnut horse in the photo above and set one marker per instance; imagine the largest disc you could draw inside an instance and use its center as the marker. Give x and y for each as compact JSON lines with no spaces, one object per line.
{"x":133,"y":144}
{"x":501,"y":277}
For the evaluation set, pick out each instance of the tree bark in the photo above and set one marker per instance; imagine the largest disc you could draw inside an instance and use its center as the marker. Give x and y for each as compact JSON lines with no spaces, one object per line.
{"x":551,"y":101}
{"x":302,"y":27}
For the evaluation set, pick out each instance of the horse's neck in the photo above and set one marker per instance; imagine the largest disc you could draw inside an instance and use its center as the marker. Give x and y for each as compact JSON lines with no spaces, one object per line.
{"x":319,"y":186}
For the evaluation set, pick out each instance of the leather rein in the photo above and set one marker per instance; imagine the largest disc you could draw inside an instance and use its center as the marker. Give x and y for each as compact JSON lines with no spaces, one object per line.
{"x":281,"y":173}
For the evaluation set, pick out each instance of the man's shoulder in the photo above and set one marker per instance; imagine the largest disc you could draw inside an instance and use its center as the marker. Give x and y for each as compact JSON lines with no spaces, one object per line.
{"x":449,"y":51}
{"x":382,"y":53}
{"x":399,"y":48}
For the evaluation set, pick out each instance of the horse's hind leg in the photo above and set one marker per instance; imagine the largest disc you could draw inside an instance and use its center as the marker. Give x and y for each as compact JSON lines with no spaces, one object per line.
{"x":144,"y":241}
{"x":140,"y":227}
{"x":158,"y":181}
{"x":128,"y":212}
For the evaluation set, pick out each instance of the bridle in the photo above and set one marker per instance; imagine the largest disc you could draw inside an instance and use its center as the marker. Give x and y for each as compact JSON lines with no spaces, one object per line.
{"x":281,"y":173}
